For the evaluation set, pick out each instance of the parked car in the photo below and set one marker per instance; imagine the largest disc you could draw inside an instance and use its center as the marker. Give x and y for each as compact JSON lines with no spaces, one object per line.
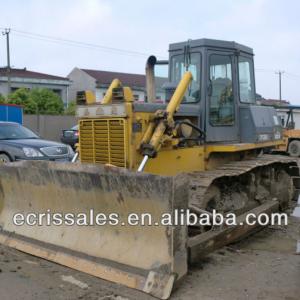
{"x":70,"y":136}
{"x":20,"y":143}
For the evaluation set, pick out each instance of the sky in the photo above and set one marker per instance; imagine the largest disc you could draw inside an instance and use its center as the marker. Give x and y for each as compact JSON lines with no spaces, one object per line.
{"x":144,"y":27}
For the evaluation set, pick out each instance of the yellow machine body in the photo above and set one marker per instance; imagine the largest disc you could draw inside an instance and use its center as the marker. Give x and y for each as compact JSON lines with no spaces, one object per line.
{"x":86,"y":97}
{"x":291,"y":135}
{"x":288,"y":136}
{"x":113,"y":135}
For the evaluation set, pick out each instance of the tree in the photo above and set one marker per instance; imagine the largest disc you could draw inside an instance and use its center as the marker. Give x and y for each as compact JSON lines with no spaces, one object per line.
{"x":22,"y":97}
{"x":47,"y":102}
{"x":2,"y":99}
{"x":71,"y":109}
{"x":42,"y":101}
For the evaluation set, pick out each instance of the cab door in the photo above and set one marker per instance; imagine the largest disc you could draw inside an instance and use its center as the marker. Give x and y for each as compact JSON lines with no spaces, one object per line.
{"x":221,"y":97}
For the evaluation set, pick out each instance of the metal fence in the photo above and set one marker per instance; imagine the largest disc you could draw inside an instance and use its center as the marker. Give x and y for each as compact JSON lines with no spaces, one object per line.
{"x":48,"y":126}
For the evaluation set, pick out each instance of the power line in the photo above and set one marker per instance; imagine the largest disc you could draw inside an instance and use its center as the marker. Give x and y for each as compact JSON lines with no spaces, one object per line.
{"x":273,"y":71}
{"x":69,"y":42}
{"x":293,"y":75}
{"x":264,"y":70}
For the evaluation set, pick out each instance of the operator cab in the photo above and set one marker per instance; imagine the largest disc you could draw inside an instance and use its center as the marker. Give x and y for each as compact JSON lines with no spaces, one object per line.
{"x":223,"y":89}
{"x":221,"y":100}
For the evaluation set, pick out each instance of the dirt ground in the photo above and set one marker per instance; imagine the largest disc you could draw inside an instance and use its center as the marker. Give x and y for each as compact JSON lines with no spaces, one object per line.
{"x":264,"y":266}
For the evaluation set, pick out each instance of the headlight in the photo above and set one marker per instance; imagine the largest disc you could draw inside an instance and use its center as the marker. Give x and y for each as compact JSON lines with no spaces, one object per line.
{"x":31,"y":152}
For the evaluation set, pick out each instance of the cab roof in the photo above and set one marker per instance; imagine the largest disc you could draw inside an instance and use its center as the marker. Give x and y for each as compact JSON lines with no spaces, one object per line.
{"x":210,"y":43}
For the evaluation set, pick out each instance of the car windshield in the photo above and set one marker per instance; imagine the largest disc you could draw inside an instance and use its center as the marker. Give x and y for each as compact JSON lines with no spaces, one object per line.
{"x":15,"y":132}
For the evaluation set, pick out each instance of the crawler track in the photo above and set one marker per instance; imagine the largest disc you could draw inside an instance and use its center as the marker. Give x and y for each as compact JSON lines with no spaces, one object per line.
{"x":262,"y":185}
{"x":201,"y":182}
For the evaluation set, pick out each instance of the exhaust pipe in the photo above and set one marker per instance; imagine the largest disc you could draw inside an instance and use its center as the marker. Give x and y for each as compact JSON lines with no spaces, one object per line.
{"x":150,"y":79}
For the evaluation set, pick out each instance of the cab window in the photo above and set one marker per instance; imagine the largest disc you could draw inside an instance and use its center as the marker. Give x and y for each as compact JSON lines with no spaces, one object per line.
{"x":179,"y":67}
{"x":221,"y":104}
{"x":246,"y":80}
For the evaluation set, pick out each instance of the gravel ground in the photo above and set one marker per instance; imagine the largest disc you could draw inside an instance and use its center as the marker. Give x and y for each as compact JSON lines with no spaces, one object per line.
{"x":264,"y":266}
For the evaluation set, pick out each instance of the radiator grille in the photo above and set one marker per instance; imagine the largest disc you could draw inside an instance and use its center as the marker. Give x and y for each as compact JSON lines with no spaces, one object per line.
{"x":103,"y":141}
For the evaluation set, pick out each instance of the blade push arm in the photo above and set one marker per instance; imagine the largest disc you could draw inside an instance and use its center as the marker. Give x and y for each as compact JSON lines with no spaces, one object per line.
{"x":163,"y":121}
{"x":109,"y":93}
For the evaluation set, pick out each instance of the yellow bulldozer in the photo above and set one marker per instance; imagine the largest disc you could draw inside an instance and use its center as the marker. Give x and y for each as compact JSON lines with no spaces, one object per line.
{"x":291,"y":135}
{"x":201,"y":152}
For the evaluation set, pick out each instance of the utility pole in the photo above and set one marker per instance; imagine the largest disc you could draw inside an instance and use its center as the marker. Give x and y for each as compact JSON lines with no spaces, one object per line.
{"x":7,"y":32}
{"x":279,"y":76}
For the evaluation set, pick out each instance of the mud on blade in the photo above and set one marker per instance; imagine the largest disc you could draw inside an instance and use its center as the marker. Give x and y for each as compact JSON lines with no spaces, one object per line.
{"x":148,"y":258}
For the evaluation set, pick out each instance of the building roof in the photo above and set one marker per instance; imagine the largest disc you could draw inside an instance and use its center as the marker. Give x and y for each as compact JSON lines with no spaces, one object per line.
{"x":273,"y":102}
{"x":24,"y":73}
{"x":127,"y":79}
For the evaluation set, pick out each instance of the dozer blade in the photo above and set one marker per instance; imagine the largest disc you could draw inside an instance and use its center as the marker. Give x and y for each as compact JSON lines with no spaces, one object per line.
{"x":147,"y":258}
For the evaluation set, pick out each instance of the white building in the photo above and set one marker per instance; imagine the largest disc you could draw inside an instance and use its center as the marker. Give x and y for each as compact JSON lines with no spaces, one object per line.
{"x":23,"y":78}
{"x":98,"y":82}
{"x":283,"y":114}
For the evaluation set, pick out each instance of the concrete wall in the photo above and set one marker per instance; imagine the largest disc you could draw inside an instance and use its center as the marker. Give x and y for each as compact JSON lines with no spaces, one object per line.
{"x":48,"y":126}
